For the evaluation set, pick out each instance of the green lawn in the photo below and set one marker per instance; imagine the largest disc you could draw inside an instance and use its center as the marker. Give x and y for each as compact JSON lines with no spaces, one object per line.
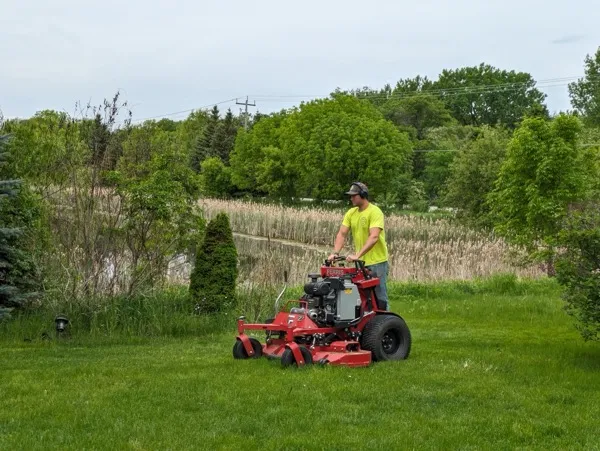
{"x":487,"y":371}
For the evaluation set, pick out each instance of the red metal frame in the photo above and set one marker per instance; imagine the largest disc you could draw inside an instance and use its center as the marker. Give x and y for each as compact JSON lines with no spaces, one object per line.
{"x":344,"y":350}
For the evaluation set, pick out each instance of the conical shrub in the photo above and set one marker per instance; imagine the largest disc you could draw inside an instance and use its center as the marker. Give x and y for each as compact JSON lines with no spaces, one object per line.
{"x":213,"y":279}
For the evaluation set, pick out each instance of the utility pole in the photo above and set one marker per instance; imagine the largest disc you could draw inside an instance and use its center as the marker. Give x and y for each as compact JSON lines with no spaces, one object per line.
{"x":246,"y":110}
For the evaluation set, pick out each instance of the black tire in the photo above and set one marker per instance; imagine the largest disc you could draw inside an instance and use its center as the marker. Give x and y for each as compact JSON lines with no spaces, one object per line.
{"x":239,"y":352}
{"x":288,"y":359}
{"x":387,"y":337}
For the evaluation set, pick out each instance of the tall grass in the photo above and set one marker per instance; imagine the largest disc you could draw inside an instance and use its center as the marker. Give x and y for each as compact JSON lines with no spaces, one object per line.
{"x":311,"y":225}
{"x":165,"y":312}
{"x":421,"y":248}
{"x":168,"y":312}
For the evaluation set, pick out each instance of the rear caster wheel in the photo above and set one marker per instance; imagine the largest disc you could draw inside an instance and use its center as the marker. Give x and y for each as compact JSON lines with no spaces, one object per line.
{"x":288,"y":359}
{"x":239,"y":352}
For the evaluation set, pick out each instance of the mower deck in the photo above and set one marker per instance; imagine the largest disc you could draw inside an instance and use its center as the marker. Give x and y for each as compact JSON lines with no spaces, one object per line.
{"x":290,"y":325}
{"x":345,"y":353}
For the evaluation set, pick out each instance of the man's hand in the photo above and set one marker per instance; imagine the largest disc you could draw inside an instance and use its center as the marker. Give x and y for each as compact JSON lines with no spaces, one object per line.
{"x":332,"y":257}
{"x":352,"y":258}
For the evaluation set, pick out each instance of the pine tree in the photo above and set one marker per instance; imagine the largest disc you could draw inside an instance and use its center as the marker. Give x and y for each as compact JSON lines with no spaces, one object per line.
{"x":224,"y":137}
{"x":16,"y":268}
{"x":205,"y":143}
{"x":213,"y":280}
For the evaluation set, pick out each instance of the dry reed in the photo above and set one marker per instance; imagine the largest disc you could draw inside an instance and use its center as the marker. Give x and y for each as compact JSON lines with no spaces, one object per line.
{"x":299,"y":239}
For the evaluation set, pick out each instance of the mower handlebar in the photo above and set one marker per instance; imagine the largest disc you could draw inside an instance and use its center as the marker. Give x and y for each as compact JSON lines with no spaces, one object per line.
{"x":360,"y":264}
{"x":343,"y":257}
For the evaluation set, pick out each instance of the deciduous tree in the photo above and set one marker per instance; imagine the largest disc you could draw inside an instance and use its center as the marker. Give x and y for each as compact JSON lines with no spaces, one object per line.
{"x":585,"y":93}
{"x":540,"y":176}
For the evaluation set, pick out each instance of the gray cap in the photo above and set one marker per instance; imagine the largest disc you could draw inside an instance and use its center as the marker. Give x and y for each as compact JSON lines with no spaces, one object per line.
{"x":356,"y":188}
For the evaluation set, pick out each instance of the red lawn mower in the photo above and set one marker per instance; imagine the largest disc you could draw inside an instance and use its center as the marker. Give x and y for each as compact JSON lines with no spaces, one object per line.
{"x":337,"y":321}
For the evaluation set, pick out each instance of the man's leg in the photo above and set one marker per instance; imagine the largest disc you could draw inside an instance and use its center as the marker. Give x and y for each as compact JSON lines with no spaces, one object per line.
{"x":380,"y":270}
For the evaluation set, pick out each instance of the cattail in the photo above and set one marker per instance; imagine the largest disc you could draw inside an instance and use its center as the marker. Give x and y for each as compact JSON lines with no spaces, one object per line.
{"x":420,"y":248}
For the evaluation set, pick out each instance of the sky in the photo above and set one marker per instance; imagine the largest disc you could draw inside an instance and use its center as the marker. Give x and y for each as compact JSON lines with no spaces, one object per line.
{"x":174,"y":56}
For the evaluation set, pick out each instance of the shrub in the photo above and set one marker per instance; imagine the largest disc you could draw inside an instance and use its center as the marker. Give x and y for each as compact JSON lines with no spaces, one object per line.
{"x":578,"y":269}
{"x":213,"y":279}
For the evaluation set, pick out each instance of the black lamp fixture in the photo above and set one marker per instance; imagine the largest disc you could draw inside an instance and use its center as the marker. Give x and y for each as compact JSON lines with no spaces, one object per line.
{"x":61,"y":324}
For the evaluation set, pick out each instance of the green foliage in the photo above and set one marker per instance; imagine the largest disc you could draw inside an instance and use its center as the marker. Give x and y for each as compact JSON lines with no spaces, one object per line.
{"x":224,"y":137}
{"x":585,"y":93}
{"x":484,"y":94}
{"x":473,"y":173}
{"x":215,"y":178}
{"x":189,"y":131}
{"x":316,"y":150}
{"x":275,"y":175}
{"x":107,"y":231}
{"x":216,"y":140}
{"x":442,"y":145}
{"x":17,"y":269}
{"x":140,"y":144}
{"x":104,"y":147}
{"x":204,"y":145}
{"x":414,"y":85}
{"x":417,"y":197}
{"x":418,"y":111}
{"x":436,"y":172}
{"x":248,"y":152}
{"x":590,"y":140}
{"x":539,"y":178}
{"x":161,"y":217}
{"x":46,"y":148}
{"x":373,"y":96}
{"x":213,"y":279}
{"x":578,"y":268}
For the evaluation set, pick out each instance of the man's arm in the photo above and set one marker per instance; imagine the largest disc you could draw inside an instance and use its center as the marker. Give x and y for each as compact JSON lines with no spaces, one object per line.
{"x":340,"y":239}
{"x":371,"y":241}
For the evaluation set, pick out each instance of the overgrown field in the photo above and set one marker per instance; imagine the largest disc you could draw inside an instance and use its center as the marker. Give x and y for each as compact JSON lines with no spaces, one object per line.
{"x":495,"y":365}
{"x":421,"y":248}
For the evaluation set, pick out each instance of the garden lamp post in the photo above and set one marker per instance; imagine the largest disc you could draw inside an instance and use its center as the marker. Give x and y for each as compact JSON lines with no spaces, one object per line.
{"x":61,"y":324}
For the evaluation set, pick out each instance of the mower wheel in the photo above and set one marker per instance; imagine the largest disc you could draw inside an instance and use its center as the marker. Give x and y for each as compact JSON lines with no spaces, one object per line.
{"x":239,"y":352}
{"x":387,"y":337}
{"x":287,"y":358}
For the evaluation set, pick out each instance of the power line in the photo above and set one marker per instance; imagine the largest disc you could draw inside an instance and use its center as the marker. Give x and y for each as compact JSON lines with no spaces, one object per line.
{"x":446,"y":92}
{"x":184,"y":111}
{"x":443,"y":92}
{"x":436,"y":150}
{"x":464,"y":91}
{"x":458,"y":150}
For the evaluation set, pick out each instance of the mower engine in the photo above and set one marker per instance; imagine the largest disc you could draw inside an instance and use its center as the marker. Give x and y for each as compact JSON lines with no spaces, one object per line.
{"x":331,"y":300}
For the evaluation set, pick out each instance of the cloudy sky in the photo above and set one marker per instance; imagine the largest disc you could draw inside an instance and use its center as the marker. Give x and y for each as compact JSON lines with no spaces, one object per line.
{"x":170,"y":56}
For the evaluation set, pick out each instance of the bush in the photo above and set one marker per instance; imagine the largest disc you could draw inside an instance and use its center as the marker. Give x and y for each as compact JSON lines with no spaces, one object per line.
{"x":578,"y":269}
{"x":213,"y":279}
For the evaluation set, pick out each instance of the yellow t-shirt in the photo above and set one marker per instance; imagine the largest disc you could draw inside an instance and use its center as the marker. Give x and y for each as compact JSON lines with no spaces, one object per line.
{"x":360,"y":222}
